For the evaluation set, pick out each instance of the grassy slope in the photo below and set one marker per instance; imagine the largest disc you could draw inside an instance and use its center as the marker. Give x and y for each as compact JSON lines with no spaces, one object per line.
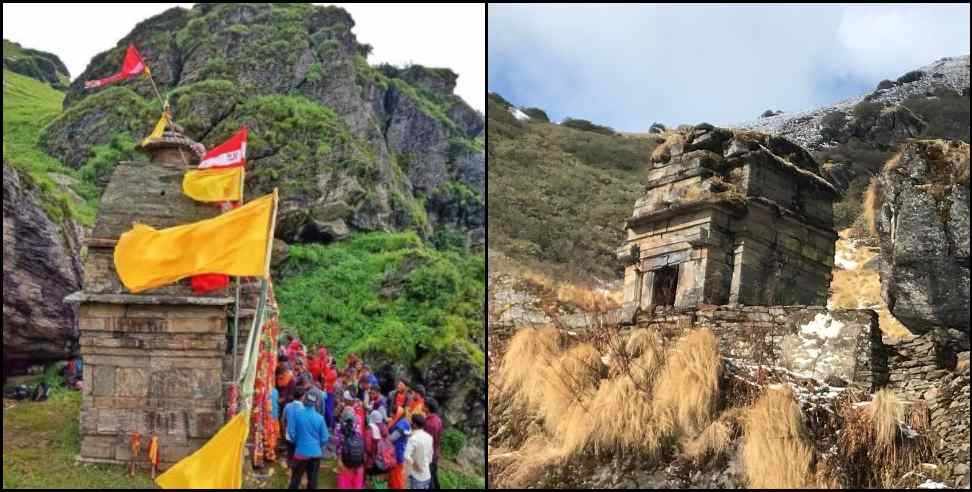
{"x":558,"y":197}
{"x":384,"y":292}
{"x":41,"y":440}
{"x":28,"y":105}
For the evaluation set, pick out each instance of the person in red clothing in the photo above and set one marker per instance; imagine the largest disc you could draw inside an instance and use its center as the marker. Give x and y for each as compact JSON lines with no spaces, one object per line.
{"x":330,"y":377}
{"x":433,"y":425}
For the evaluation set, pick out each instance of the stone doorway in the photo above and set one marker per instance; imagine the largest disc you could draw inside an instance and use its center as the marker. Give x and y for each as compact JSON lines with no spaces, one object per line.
{"x":666,"y":283}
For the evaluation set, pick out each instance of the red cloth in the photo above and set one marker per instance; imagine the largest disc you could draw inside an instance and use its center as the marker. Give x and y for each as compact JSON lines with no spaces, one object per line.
{"x":131,"y":67}
{"x":330,"y":378}
{"x":209,"y":282}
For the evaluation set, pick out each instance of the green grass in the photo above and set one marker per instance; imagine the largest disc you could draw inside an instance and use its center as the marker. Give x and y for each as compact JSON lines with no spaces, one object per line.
{"x":28,"y":105}
{"x":558,"y":197}
{"x":41,"y":441}
{"x":385,"y":293}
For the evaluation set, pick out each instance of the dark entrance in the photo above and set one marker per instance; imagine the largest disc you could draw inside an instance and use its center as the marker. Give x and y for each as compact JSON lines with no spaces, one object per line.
{"x":666,"y":281}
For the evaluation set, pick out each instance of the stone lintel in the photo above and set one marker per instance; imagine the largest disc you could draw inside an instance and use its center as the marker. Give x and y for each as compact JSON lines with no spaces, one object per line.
{"x":81,"y":296}
{"x":727,"y":206}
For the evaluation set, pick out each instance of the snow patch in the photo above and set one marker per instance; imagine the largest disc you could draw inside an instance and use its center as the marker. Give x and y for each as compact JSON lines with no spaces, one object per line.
{"x":843,"y":261}
{"x":822,"y":326}
{"x":931,"y":484}
{"x":520,"y":115}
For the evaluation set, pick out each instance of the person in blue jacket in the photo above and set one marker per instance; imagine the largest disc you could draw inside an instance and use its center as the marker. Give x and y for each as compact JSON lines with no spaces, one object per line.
{"x":310,"y":436}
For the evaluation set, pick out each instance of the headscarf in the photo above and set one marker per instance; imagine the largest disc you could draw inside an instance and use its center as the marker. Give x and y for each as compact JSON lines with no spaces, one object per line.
{"x":373,"y":420}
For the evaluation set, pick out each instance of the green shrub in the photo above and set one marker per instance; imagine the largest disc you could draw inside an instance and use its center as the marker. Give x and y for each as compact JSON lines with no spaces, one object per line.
{"x":947,"y":115}
{"x":587,"y":126}
{"x":97,"y":169}
{"x":450,"y":479}
{"x":385,"y":293}
{"x":452,"y":442}
{"x":537,"y":114}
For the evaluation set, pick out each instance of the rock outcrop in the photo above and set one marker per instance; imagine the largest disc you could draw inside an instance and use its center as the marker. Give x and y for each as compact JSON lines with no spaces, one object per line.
{"x":923,"y":224}
{"x":350,"y":146}
{"x":40,"y":65}
{"x":41,"y":265}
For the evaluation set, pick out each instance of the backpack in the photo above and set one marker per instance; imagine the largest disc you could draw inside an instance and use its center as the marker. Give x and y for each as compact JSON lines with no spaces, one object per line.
{"x":352,"y":452}
{"x":385,"y":455}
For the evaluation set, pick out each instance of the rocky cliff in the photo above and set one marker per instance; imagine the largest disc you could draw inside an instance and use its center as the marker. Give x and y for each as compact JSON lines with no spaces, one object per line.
{"x":40,"y":65}
{"x":829,"y":126}
{"x":41,"y":265}
{"x":923,"y":224}
{"x":351,"y":146}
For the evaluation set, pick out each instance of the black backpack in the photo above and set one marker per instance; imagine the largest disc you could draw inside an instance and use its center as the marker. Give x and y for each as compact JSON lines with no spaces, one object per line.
{"x":40,"y":392}
{"x":352,"y":453}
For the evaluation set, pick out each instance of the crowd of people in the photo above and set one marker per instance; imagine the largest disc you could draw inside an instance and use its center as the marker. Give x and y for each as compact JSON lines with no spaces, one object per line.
{"x":323,"y":411}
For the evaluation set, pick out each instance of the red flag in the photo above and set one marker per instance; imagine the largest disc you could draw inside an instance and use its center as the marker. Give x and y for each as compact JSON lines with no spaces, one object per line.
{"x":132,"y":66}
{"x":209,"y":282}
{"x":230,"y":153}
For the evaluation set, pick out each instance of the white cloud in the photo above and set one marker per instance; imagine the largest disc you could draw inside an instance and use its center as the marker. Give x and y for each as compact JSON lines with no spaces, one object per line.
{"x":440,"y":35}
{"x":630,"y":65}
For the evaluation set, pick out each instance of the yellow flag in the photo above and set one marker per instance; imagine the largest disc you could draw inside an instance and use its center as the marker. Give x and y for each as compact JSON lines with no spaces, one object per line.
{"x":159,"y":128}
{"x":216,"y":465}
{"x":235,"y":243}
{"x":214,"y":184}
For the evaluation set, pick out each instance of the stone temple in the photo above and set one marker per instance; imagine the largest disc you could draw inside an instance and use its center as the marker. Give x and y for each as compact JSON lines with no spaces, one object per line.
{"x":729,"y":217}
{"x":155,"y":361}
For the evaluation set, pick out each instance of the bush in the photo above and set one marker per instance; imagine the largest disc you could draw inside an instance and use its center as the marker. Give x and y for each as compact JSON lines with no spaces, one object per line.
{"x":450,"y":479}
{"x":452,"y":442}
{"x":537,"y":114}
{"x":912,"y":76}
{"x":832,"y":124}
{"x":97,"y":170}
{"x":587,"y":126}
{"x":947,"y":115}
{"x":885,"y":84}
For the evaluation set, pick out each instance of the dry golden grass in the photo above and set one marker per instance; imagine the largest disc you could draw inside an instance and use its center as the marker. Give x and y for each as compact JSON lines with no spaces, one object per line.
{"x":872,"y":448}
{"x":569,"y":382}
{"x":884,"y":412}
{"x":687,"y":391}
{"x":860,"y":288}
{"x":873,"y":197}
{"x":713,"y":441}
{"x":663,"y":152}
{"x":776,"y":448}
{"x":588,"y":299}
{"x":520,"y":374}
{"x":621,"y":420}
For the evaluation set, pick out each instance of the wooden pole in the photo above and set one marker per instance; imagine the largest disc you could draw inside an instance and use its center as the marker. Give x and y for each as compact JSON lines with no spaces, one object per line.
{"x":159,"y":95}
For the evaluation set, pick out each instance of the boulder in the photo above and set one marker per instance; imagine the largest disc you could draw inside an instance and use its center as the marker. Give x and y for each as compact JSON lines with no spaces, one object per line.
{"x":923,"y":226}
{"x":41,"y":266}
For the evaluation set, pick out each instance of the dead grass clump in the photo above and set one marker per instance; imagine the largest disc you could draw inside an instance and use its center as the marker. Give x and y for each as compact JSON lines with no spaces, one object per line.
{"x":525,"y":466}
{"x":587,"y":299}
{"x":884,"y":412}
{"x":663,"y":152}
{"x":873,"y":197}
{"x":875,"y":447}
{"x":716,"y":440}
{"x":520,"y":374}
{"x":777,"y":452}
{"x":621,"y":420}
{"x":687,"y":391}
{"x":642,"y":340}
{"x":569,"y":381}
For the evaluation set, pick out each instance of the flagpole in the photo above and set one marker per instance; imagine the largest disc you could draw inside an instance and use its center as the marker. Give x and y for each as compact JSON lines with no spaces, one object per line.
{"x":236,"y":316}
{"x":152,"y":80}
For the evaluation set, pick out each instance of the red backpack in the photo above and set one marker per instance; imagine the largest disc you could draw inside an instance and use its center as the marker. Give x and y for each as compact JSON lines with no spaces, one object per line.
{"x":385,"y":458}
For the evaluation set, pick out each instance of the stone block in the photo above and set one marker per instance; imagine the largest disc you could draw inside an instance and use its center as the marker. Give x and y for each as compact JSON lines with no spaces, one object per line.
{"x":204,"y":424}
{"x":131,"y":382}
{"x":103,"y":383}
{"x":99,"y":447}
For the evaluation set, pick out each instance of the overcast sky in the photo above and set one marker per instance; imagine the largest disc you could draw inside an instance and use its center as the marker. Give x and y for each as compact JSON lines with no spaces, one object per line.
{"x":627,"y":66}
{"x":438,"y":35}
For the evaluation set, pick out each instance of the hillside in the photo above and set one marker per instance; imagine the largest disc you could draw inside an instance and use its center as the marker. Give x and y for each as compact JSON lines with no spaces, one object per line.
{"x":39,"y":65}
{"x":352,"y":147}
{"x":559,"y":195}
